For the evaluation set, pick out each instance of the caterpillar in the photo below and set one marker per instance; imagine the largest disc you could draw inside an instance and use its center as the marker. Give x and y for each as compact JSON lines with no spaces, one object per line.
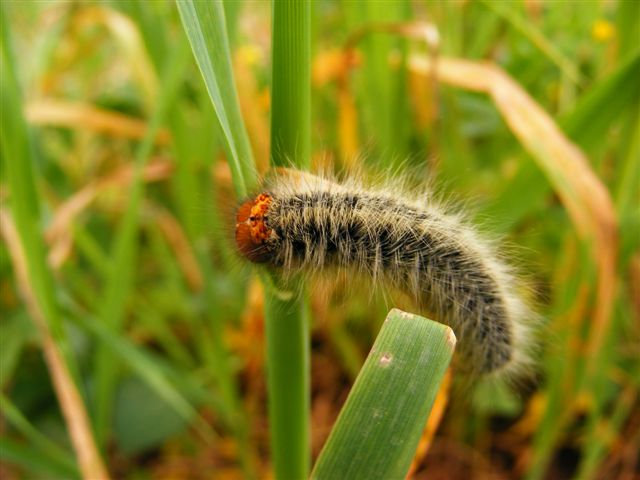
{"x":300,"y":222}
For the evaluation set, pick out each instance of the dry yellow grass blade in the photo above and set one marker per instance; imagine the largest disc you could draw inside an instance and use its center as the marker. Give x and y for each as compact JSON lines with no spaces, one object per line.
{"x":71,"y":404}
{"x":58,"y":233}
{"x":437,"y":411}
{"x":83,"y":116}
{"x":583,"y":194}
{"x":348,"y":127}
{"x":179,"y":243}
{"x":634,"y":283}
{"x":419,"y":30}
{"x":335,"y":65}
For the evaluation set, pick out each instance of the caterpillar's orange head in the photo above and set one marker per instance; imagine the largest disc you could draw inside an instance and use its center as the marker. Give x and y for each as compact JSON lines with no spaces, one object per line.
{"x":251,"y":229}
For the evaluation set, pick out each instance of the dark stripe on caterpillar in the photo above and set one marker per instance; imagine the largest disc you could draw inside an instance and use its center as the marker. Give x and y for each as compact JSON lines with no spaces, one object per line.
{"x":304,"y":223}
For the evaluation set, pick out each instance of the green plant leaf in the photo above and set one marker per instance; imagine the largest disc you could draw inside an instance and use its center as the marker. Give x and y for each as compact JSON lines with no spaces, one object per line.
{"x":287,"y":321}
{"x":59,"y":458}
{"x":599,"y":108}
{"x":124,"y":247}
{"x":205,"y":25}
{"x":33,"y":461}
{"x":149,"y":370}
{"x":532,"y":33}
{"x":379,"y":427}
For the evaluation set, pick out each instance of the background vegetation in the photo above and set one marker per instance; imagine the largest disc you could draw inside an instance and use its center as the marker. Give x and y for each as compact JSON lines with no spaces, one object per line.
{"x":120,"y":285}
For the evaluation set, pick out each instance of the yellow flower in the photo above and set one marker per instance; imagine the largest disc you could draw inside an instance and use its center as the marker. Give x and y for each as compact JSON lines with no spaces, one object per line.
{"x":602,"y":30}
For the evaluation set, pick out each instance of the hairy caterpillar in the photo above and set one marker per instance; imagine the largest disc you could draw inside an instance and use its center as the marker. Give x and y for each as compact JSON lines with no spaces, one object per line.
{"x":304,"y":223}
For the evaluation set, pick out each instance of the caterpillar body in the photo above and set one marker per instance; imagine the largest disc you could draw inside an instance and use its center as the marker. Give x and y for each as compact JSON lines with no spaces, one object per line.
{"x":304,"y":223}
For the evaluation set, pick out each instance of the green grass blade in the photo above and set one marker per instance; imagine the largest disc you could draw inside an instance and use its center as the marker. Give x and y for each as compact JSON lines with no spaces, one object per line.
{"x":19,"y":161}
{"x":15,"y":336}
{"x":51,"y":450}
{"x":487,"y":28}
{"x":287,"y":325}
{"x":191,"y":185}
{"x":206,"y":29}
{"x":32,"y":461}
{"x":288,"y":365}
{"x":205,"y":25}
{"x":124,"y":248}
{"x":145,"y":16}
{"x":602,"y":105}
{"x":532,"y":33}
{"x":596,"y":447}
{"x":379,"y":427}
{"x":587,"y":124}
{"x":382,"y":93}
{"x":628,"y":188}
{"x":628,"y":27}
{"x":148,"y":370}
{"x":291,"y":94}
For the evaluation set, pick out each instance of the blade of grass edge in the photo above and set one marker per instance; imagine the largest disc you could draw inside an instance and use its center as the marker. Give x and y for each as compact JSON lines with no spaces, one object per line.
{"x":204,"y":23}
{"x":206,"y":28}
{"x":379,"y":427}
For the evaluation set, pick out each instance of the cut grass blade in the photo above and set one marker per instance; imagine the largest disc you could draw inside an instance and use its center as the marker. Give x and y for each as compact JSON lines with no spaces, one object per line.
{"x":379,"y":427}
{"x":205,"y":25}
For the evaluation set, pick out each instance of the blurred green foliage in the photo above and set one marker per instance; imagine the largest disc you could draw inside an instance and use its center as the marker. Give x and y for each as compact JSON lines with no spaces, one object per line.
{"x":161,"y":322}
